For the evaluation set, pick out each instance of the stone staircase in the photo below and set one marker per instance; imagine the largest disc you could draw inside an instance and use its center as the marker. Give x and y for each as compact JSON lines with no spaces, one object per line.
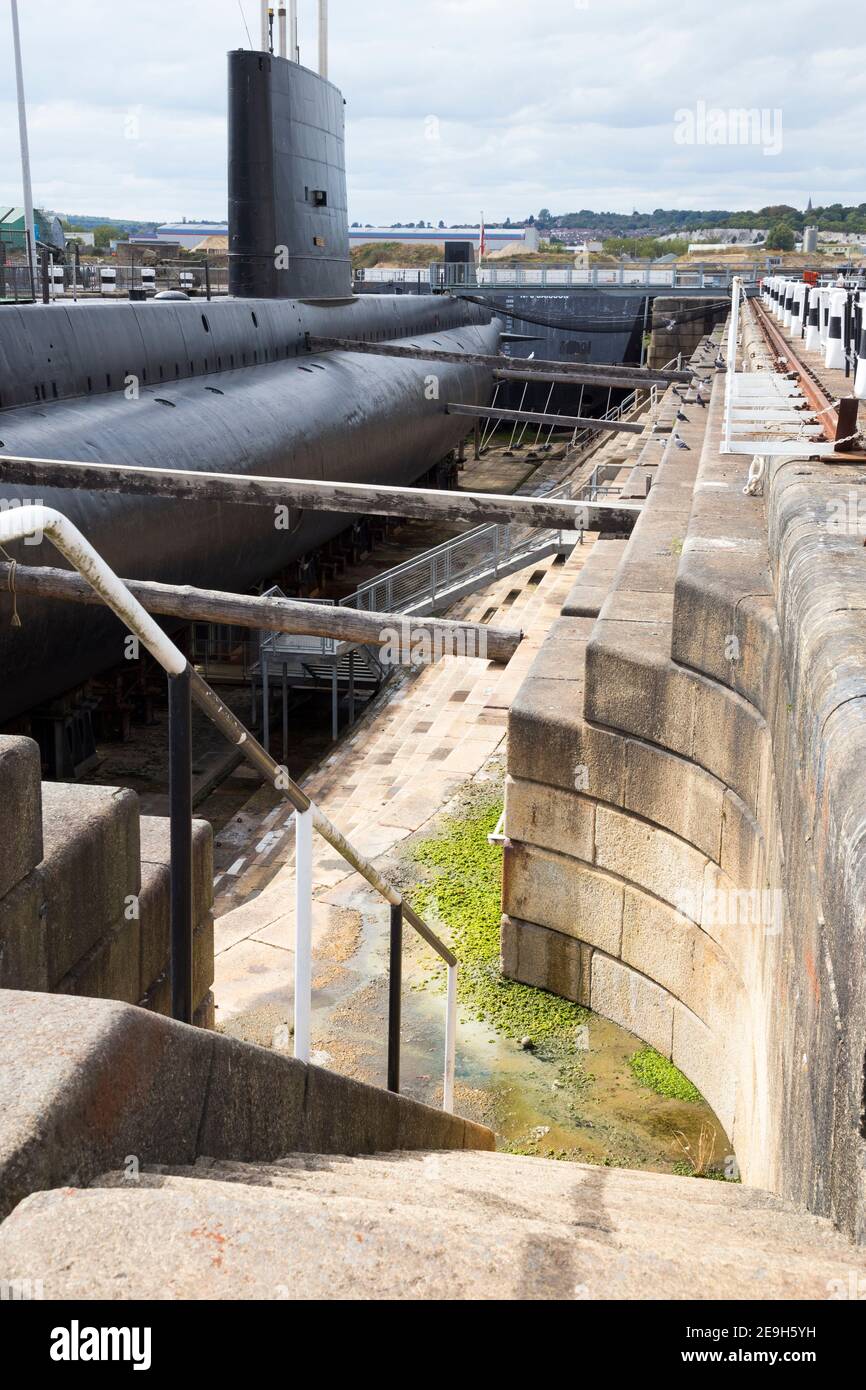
{"x":221,"y":1170}
{"x":421,"y":1225}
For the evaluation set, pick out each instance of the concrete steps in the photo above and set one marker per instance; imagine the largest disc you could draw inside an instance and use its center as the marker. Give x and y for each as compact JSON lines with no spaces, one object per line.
{"x":407,"y":1225}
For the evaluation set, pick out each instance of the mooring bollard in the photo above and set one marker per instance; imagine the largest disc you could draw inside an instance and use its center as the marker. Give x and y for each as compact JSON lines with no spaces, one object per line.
{"x":834,"y":353}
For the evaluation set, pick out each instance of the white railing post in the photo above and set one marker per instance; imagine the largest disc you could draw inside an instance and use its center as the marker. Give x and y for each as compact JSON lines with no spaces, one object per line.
{"x":303,"y":931}
{"x":450,"y":1039}
{"x":730,"y":383}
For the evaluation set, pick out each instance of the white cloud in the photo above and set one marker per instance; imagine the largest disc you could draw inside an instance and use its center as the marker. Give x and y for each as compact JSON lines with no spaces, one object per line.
{"x":558,"y":104}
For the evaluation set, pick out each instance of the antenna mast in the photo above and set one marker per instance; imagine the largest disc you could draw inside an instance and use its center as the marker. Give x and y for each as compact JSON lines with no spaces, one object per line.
{"x":25,"y":148}
{"x":323,"y":38}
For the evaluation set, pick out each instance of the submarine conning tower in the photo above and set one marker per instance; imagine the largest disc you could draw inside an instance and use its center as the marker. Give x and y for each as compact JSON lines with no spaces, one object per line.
{"x":288,"y":222}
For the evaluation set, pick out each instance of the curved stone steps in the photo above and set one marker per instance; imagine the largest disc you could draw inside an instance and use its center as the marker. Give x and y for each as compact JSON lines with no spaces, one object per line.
{"x":421,"y":1225}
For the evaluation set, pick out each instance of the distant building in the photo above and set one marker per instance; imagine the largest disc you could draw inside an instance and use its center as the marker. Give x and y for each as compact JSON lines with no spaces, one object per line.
{"x":83,"y":238}
{"x":189,"y":234}
{"x":495,"y":238}
{"x":13,"y":224}
{"x":213,"y":245}
{"x":581,"y":237}
{"x":699,"y":247}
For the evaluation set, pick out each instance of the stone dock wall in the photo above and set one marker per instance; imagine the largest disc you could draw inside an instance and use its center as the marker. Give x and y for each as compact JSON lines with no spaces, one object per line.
{"x":686,"y":804}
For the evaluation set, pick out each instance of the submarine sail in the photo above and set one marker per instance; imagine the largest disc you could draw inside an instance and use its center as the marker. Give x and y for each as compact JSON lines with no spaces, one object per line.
{"x":226,"y":385}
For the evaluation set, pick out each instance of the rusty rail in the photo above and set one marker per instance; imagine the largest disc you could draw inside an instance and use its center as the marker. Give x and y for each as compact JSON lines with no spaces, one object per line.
{"x":838,"y":420}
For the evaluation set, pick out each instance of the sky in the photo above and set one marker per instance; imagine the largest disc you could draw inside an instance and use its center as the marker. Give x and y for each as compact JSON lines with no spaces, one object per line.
{"x":454,"y":107}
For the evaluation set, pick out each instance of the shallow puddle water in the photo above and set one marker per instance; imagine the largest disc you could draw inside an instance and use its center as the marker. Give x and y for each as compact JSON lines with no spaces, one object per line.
{"x":571,"y":1097}
{"x":550,"y":1078}
{"x":580,"y":1102}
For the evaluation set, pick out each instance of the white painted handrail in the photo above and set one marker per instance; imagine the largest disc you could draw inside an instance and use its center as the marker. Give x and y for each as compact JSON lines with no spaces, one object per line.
{"x":19,"y":523}
{"x":16,"y":523}
{"x":303,"y":932}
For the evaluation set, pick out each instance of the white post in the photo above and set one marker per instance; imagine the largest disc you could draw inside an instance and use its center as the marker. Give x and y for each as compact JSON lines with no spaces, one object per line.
{"x":733,"y":330}
{"x":323,"y":38}
{"x":834,"y":352}
{"x":860,"y":372}
{"x":303,"y":931}
{"x":265,"y":30}
{"x":281,"y":18}
{"x":294,"y":51}
{"x":450,"y":1039}
{"x":29,"y":223}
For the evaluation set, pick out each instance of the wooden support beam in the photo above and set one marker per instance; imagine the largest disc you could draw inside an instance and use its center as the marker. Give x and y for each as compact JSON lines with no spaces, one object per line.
{"x":274,"y":614}
{"x":541,"y":367}
{"x":532,"y":417}
{"x":307,"y":494}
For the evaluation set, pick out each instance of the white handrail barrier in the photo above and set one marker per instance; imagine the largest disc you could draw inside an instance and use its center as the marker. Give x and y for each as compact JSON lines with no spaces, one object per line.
{"x":730,"y":381}
{"x":303,"y":932}
{"x":16,"y":523}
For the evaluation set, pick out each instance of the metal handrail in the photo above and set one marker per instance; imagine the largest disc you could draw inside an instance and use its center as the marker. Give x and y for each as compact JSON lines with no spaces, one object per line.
{"x":488,"y":547}
{"x":702,"y":275}
{"x":185,"y":685}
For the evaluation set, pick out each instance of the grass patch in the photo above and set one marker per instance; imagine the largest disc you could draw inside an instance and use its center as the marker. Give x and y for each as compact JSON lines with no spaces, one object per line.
{"x":659,"y":1075}
{"x":464,"y":891}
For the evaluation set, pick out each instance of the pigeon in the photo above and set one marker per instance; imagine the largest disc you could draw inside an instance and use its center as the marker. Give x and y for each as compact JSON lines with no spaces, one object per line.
{"x":680,"y":443}
{"x":681,"y":416}
{"x":720,"y":361}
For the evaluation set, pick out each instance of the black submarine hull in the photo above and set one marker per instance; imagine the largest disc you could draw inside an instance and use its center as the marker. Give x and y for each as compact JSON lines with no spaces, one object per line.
{"x":339,"y":416}
{"x":227,"y":386}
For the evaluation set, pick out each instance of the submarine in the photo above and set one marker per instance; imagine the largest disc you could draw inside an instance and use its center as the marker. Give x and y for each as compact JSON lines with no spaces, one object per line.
{"x":225,"y":385}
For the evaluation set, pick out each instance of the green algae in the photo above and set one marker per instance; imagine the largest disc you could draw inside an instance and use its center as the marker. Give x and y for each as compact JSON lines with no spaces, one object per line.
{"x":464,"y":891}
{"x":659,"y":1075}
{"x":586,"y":1105}
{"x":685,"y":1170}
